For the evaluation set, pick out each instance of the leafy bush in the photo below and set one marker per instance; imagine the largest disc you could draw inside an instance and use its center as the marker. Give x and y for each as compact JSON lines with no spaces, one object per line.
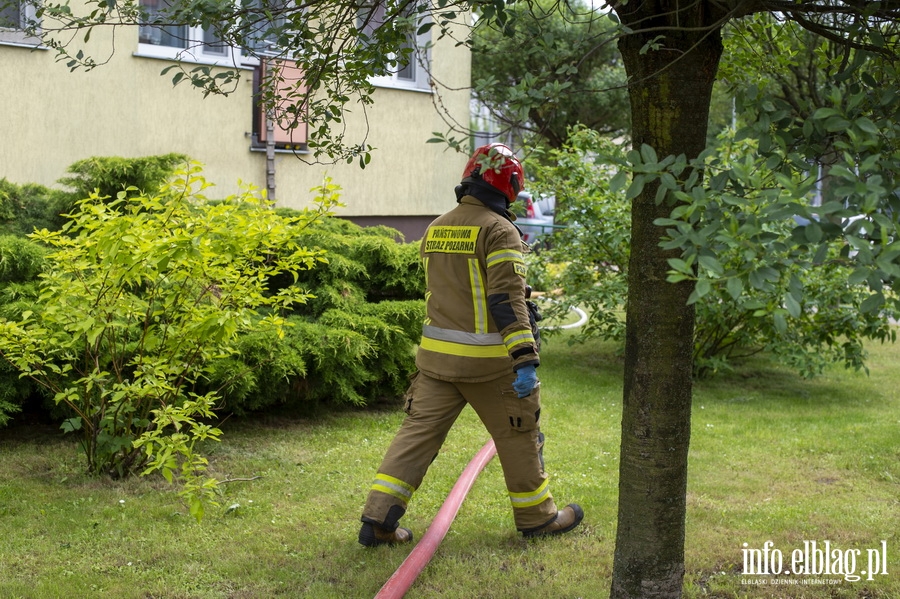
{"x":365,"y":264}
{"x":342,"y":357}
{"x":351,"y":342}
{"x":761,"y":290}
{"x":30,"y":207}
{"x":139,"y":297}
{"x":589,"y":259}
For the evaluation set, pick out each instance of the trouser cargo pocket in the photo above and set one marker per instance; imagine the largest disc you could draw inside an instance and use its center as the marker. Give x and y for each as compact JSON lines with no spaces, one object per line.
{"x":410,"y":392}
{"x":523,"y":412}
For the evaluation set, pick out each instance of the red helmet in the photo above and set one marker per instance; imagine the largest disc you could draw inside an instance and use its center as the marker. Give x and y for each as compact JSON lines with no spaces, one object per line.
{"x":498,"y":167}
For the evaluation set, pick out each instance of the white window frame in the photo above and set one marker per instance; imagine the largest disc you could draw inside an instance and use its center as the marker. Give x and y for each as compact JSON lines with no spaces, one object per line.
{"x":267,"y":50}
{"x":16,"y":36}
{"x":422,"y":54}
{"x":195,"y":49}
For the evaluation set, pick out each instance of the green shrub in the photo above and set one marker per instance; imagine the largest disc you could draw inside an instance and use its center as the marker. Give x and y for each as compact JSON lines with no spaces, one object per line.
{"x":109,"y":175}
{"x":365,"y":265}
{"x":351,"y":342}
{"x":138,"y":298}
{"x":21,"y":261}
{"x":356,"y":357}
{"x":762,"y":291}
{"x":25,"y":208}
{"x":30,"y":207}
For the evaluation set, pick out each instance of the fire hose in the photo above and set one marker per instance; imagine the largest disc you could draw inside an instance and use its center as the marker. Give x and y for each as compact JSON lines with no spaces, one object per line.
{"x":418,"y":558}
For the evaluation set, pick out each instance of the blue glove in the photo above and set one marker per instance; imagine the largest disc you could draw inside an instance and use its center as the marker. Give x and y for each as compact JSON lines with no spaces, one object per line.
{"x":526,"y":380}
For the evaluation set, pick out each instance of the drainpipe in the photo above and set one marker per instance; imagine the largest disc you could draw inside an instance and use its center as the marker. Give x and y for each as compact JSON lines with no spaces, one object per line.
{"x":270,"y":155}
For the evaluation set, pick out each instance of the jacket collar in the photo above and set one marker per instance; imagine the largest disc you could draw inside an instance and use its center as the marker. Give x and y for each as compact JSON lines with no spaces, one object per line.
{"x":473,"y":201}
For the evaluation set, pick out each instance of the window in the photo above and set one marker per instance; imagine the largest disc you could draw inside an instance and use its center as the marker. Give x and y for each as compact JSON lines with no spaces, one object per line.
{"x":289,"y":130}
{"x":15,"y":17}
{"x":178,"y":42}
{"x":411,"y":75}
{"x":265,"y":26}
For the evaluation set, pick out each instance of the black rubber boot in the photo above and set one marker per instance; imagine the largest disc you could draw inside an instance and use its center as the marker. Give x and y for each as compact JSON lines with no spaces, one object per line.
{"x":372,"y":535}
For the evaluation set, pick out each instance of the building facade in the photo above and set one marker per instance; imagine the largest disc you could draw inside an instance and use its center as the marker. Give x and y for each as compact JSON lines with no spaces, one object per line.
{"x":126,"y":107}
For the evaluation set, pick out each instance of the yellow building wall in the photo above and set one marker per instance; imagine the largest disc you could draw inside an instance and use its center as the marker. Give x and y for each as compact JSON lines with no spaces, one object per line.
{"x":54,"y":117}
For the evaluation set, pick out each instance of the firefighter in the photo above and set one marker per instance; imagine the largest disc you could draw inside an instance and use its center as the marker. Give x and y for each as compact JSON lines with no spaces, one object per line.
{"x":479,"y":348}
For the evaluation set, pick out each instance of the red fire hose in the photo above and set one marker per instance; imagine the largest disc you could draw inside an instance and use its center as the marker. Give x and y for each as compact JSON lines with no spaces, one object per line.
{"x":415,"y":562}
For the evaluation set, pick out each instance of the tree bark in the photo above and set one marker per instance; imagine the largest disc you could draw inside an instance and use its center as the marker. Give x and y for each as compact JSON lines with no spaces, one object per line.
{"x":670,"y":89}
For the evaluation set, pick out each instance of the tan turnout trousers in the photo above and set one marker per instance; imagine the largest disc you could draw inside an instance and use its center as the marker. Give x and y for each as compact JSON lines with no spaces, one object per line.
{"x":432,"y":406}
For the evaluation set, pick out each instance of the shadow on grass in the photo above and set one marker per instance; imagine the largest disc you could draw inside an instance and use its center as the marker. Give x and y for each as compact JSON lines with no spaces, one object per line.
{"x":764,"y":381}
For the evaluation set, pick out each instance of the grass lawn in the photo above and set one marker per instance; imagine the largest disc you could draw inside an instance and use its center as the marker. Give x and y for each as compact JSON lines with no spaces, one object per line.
{"x":773,"y":458}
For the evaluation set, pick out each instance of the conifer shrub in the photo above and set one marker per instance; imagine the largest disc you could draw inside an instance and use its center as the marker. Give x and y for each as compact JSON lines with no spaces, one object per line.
{"x":352,"y":342}
{"x":21,"y":260}
{"x":29,"y":207}
{"x":107,"y":176}
{"x":25,"y":208}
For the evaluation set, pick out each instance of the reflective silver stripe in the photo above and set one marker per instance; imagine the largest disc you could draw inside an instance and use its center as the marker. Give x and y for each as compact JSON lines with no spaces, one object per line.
{"x":432,"y":332}
{"x":517,"y":337}
{"x":479,"y":302}
{"x":523,"y":500}
{"x":393,"y":486}
{"x":504,"y":256}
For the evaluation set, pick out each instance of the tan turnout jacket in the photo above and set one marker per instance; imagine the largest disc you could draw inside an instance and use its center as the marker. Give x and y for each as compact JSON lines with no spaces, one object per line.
{"x":476,"y":326}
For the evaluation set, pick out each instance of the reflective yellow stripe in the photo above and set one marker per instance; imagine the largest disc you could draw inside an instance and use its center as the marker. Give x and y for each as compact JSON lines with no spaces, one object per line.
{"x":393,"y":486}
{"x":516,"y":337}
{"x":479,"y":301}
{"x":427,"y":293}
{"x":520,"y":500}
{"x":495,"y":258}
{"x":460,"y":349}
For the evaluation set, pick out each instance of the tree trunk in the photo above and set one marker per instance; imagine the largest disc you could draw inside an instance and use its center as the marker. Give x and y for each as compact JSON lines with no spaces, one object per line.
{"x":670,"y":89}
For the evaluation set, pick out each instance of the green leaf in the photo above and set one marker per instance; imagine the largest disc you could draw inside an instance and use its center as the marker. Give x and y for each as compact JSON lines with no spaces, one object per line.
{"x":780,"y":321}
{"x":866,"y":125}
{"x":680,"y":265}
{"x":813,"y":232}
{"x":792,"y":305}
{"x":712,"y":264}
{"x":668,"y":181}
{"x":71,"y":424}
{"x":196,"y":508}
{"x":734,"y":286}
{"x":701,"y":289}
{"x":872,"y":303}
{"x":648,"y":154}
{"x":859,"y":275}
{"x":94,"y":333}
{"x":661,"y":193}
{"x":636,"y":187}
{"x":617,"y":183}
{"x":824,"y":113}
